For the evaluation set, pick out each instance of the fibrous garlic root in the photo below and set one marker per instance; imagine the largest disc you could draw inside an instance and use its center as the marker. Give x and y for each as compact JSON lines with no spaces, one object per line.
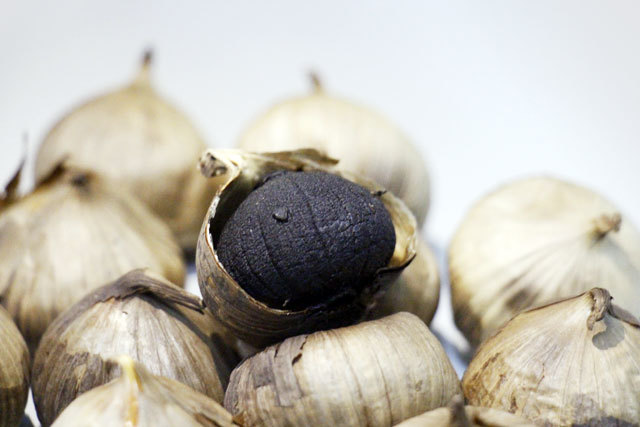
{"x":574,"y":362}
{"x":14,"y":372}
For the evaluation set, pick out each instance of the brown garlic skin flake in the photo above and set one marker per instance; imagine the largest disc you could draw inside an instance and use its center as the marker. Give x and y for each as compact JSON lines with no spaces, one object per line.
{"x":255,"y":321}
{"x":14,"y":372}
{"x":139,"y":315}
{"x":376,"y":373}
{"x":574,"y":362}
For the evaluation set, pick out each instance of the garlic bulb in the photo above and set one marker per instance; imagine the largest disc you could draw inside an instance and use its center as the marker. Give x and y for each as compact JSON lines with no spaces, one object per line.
{"x":14,"y":372}
{"x":534,"y":241}
{"x":377,"y":373}
{"x":141,"y":142}
{"x":73,"y":233}
{"x":254,"y":320}
{"x":140,"y":315}
{"x":364,"y":141}
{"x":574,"y":362}
{"x":139,"y":398}
{"x":416,"y":291}
{"x":458,"y":415}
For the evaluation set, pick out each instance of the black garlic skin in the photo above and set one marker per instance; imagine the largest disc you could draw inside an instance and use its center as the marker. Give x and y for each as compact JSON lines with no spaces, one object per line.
{"x":306,"y":238}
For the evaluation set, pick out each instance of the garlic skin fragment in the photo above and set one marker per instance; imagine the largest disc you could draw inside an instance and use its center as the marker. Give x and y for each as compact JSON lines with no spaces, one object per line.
{"x":74,"y":233}
{"x":144,"y":144}
{"x":139,"y":398}
{"x":14,"y":372}
{"x":534,"y":241}
{"x":376,"y":373}
{"x":366,"y":142}
{"x":574,"y":362}
{"x":139,"y":315}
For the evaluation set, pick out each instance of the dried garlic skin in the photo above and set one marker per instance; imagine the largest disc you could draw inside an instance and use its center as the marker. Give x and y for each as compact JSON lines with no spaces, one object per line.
{"x":250,"y":319}
{"x":574,"y":362}
{"x":366,"y":142}
{"x":144,"y":144}
{"x":376,"y":373}
{"x":139,"y":398}
{"x":139,"y":315}
{"x":416,"y":291}
{"x":14,"y":372}
{"x":74,"y":233}
{"x":534,"y":241}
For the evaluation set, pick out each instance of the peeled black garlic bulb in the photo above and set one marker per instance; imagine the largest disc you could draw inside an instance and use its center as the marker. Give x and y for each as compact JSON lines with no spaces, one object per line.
{"x":534,"y":241}
{"x":14,"y":372}
{"x":144,"y":144}
{"x":376,"y":373}
{"x":141,"y":399}
{"x":140,"y":315}
{"x":574,"y":362}
{"x":366,"y":142}
{"x":289,"y":252}
{"x":74,"y":233}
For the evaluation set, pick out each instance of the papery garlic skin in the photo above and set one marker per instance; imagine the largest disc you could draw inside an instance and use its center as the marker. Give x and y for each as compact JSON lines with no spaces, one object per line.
{"x":365,"y":142}
{"x":534,"y":241}
{"x":574,"y":362}
{"x":14,"y":372}
{"x":376,"y":373}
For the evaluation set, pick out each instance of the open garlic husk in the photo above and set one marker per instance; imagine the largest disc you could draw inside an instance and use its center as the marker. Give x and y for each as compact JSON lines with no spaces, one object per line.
{"x":140,"y":315}
{"x":250,"y":319}
{"x":74,"y":233}
{"x":139,"y":399}
{"x":416,"y":291}
{"x":534,"y":241}
{"x":376,"y":373}
{"x":365,"y":142}
{"x":144,"y":144}
{"x":14,"y":372}
{"x":573,"y":362}
{"x":456,"y":414}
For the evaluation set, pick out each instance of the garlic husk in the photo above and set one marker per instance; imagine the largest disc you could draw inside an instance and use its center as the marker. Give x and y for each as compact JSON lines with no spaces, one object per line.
{"x":139,"y":398}
{"x":74,"y":233}
{"x":140,"y":315}
{"x":250,"y":319}
{"x":534,"y":241}
{"x":144,"y":144}
{"x":365,"y":142}
{"x":14,"y":372}
{"x":416,"y":291}
{"x":572,"y":362}
{"x":376,"y":373}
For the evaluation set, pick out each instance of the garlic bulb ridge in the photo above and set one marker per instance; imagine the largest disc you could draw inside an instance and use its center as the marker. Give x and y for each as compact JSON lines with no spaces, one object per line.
{"x":14,"y":372}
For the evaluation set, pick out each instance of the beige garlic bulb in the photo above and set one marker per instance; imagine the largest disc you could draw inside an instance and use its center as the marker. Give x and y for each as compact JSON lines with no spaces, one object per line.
{"x":416,"y":291}
{"x":74,"y":233}
{"x":365,"y":142}
{"x":537,"y":240}
{"x":140,"y":315}
{"x":376,"y":373}
{"x":14,"y":372}
{"x":144,"y":144}
{"x":139,"y":398}
{"x":574,"y":362}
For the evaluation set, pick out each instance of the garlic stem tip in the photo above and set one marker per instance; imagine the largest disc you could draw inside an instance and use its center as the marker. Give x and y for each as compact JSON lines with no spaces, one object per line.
{"x":601,"y":304}
{"x":607,"y":223}
{"x":129,"y":369}
{"x":147,"y":57}
{"x":316,"y":82}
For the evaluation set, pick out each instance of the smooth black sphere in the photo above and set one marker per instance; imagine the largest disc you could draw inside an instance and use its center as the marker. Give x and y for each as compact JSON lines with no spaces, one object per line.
{"x":306,"y":238}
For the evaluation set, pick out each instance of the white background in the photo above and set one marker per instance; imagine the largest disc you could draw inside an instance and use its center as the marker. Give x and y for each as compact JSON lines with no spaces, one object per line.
{"x":489,"y":90}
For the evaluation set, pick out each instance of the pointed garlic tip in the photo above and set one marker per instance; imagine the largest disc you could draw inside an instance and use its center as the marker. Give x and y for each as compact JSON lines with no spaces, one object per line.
{"x":144,"y":74}
{"x":133,"y":379}
{"x":210,"y":166}
{"x":458,"y":413}
{"x":128,"y":367}
{"x":601,"y":304}
{"x":604,"y":224}
{"x":316,"y":82}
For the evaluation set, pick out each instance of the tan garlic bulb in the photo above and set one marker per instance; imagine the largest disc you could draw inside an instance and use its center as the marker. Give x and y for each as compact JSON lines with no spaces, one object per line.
{"x":139,"y":398}
{"x":574,"y":362}
{"x":140,"y":315}
{"x":144,"y":144}
{"x":260,"y":322}
{"x":416,"y":291}
{"x":376,"y":373}
{"x":14,"y":372}
{"x":534,"y":241}
{"x":74,"y":233}
{"x":365,"y":142}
